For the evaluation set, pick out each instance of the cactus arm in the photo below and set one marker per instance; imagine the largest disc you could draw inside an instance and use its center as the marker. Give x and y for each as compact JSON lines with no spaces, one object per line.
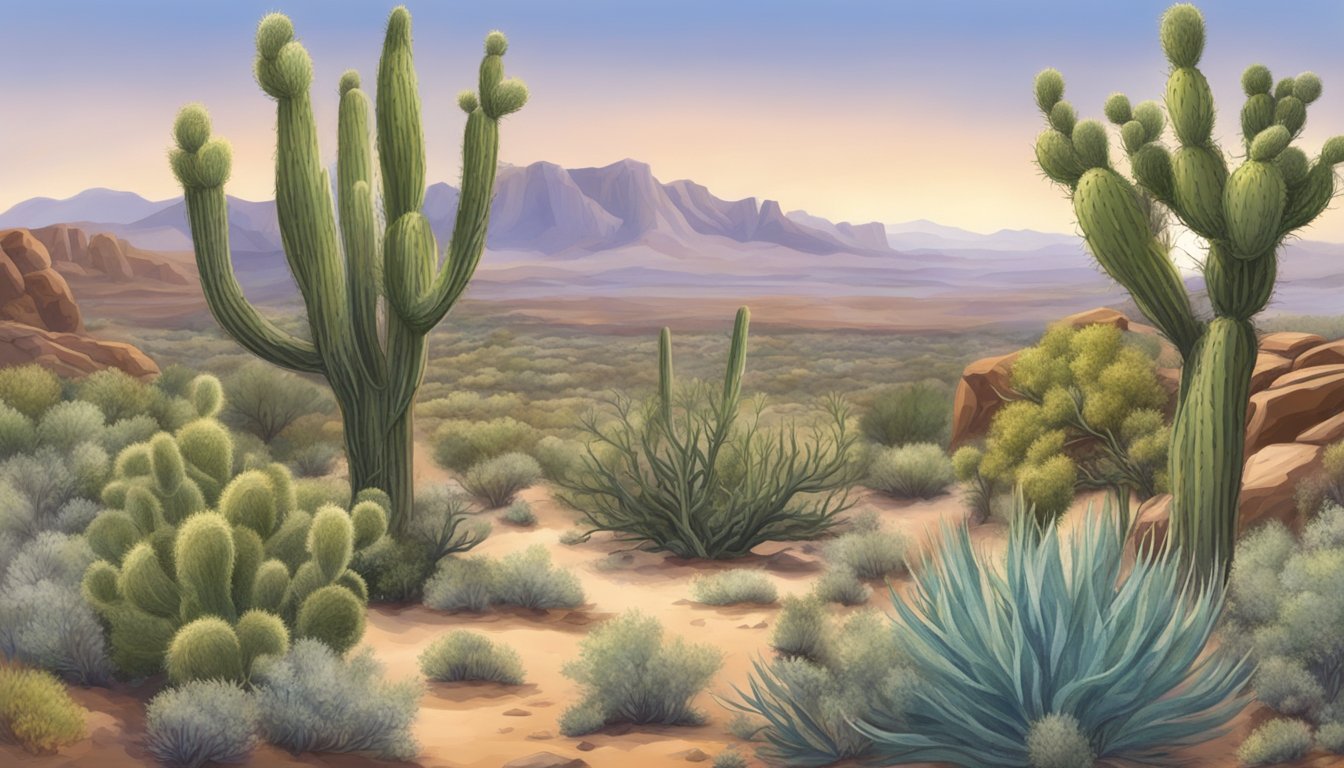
{"x":201,"y":165}
{"x":362,"y":264}
{"x":401,"y":138}
{"x":480,"y":159}
{"x":737,"y":359}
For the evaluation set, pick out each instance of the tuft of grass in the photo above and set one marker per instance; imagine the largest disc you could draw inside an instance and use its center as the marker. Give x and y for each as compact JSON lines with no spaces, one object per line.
{"x":803,"y":630}
{"x":519,"y":513}
{"x":870,"y":555}
{"x":496,"y":481}
{"x":730,"y":758}
{"x":840,"y":585}
{"x":204,"y":721}
{"x":573,"y":537}
{"x":1276,"y":741}
{"x":462,"y":656}
{"x":734,"y":587}
{"x":526,"y":579}
{"x":37,"y":712}
{"x":919,"y":471}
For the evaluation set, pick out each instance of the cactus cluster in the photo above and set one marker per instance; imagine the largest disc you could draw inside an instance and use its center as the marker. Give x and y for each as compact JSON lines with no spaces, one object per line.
{"x":202,"y":572}
{"x":1243,"y":214}
{"x":343,"y":271}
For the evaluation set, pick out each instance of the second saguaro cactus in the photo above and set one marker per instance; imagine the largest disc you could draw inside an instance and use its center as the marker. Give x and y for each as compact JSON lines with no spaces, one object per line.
{"x":1244,"y":215}
{"x":345,"y":272}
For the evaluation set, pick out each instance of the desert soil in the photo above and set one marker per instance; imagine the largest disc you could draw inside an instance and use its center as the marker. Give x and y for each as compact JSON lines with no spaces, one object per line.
{"x":487,"y":726}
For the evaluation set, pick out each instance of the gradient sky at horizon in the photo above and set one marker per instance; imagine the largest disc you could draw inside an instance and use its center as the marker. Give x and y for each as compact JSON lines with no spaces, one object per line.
{"x":851,"y":109}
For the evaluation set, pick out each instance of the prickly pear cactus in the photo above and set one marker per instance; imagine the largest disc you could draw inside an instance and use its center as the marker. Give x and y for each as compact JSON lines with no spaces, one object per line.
{"x":1244,"y":215}
{"x":201,"y":572}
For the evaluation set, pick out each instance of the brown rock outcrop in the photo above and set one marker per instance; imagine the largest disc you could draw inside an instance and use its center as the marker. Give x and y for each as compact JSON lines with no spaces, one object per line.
{"x":1288,"y":408}
{"x":45,"y":299}
{"x":70,"y":354}
{"x":105,"y":257}
{"x":1329,"y":353}
{"x":982,"y":389}
{"x":1269,"y":482}
{"x":1289,"y":343}
{"x":1268,"y":367}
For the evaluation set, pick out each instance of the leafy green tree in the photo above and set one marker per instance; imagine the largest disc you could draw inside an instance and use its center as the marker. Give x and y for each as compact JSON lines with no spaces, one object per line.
{"x":1087,"y":415}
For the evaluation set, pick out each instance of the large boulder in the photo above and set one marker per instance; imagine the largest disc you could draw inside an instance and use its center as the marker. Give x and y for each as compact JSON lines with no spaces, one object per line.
{"x":1329,"y":353}
{"x":1289,"y":343}
{"x":1269,"y":482}
{"x":1293,"y":404}
{"x":26,"y":251}
{"x":106,"y":256}
{"x":69,"y":354}
{"x":1268,"y":367}
{"x":54,"y":301}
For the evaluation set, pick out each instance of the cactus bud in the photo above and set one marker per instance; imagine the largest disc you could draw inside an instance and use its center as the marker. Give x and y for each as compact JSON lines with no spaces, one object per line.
{"x":369,"y":521}
{"x":133,"y":461}
{"x":1284,"y":88}
{"x":207,"y":396}
{"x":1049,"y":89}
{"x":204,"y":555}
{"x":1293,"y":165}
{"x":467,"y":101}
{"x":273,"y":32}
{"x":331,"y":541}
{"x":143,"y":582}
{"x":191,"y":128}
{"x":1290,"y":113}
{"x":100,"y":584}
{"x":496,"y":44}
{"x":509,"y":97}
{"x":1133,"y":135}
{"x":349,"y":82}
{"x":249,"y":500}
{"x":1063,"y":118}
{"x":1269,"y":143}
{"x":1057,"y":158}
{"x":166,"y":463}
{"x":1256,"y":80}
{"x":111,"y":535}
{"x":143,"y":507}
{"x":269,"y":586}
{"x":1152,"y":169}
{"x":1117,"y":109}
{"x":260,"y":633}
{"x":1307,"y":87}
{"x":1257,"y":115}
{"x":1089,"y":140}
{"x":1149,"y":113}
{"x":1183,"y":35}
{"x":1333,"y":151}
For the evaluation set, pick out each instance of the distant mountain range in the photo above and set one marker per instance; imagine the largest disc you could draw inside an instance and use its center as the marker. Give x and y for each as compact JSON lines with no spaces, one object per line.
{"x":619,"y":232}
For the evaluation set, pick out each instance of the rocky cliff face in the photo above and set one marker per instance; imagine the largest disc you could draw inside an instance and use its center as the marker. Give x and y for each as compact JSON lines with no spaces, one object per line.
{"x":76,"y":255}
{"x":1296,"y":409}
{"x":41,"y":322}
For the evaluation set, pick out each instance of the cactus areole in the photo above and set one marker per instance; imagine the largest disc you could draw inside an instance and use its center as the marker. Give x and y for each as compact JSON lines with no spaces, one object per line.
{"x":1244,"y":215}
{"x":374,"y":361}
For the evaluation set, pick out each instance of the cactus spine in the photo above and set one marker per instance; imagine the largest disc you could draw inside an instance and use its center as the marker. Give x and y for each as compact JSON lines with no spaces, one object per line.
{"x":1243,"y":215}
{"x":373,"y":372}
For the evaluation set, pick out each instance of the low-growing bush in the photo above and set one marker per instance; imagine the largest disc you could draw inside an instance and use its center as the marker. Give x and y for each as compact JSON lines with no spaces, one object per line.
{"x":917,"y":471}
{"x":204,"y":721}
{"x":115,"y":393}
{"x":870,"y":555}
{"x":463,"y":656}
{"x":36,"y":712}
{"x":909,"y":413}
{"x":316,"y":460}
{"x":496,"y":481}
{"x":557,"y":456}
{"x":264,"y":400}
{"x":519,"y":513}
{"x":734,"y":587}
{"x":730,"y":758}
{"x":1277,"y":741}
{"x":1043,"y":631}
{"x":462,"y":584}
{"x":804,"y":709}
{"x":1331,"y":737}
{"x":574,"y":537}
{"x":459,"y":444}
{"x":803,"y":630}
{"x":312,"y":700}
{"x":525,"y":579}
{"x":313,"y":493}
{"x":136,"y":429}
{"x":17,"y":432}
{"x":839,"y":584}
{"x":980,"y":490}
{"x":29,"y":389}
{"x":629,"y":674}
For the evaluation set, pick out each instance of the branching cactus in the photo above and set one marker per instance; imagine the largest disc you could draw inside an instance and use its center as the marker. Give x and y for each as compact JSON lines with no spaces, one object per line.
{"x":345,"y":272}
{"x":202,"y":590}
{"x":1244,"y":215}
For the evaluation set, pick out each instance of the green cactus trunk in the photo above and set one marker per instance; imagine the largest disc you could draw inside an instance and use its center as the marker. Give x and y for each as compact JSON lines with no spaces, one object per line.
{"x":1243,"y":215}
{"x":374,"y":369}
{"x":1207,"y":441}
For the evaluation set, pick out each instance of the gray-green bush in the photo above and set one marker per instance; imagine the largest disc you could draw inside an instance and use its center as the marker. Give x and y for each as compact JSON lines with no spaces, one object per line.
{"x":915,"y":471}
{"x":201,"y":722}
{"x":496,"y":481}
{"x":839,"y":584}
{"x":870,"y":554}
{"x":462,"y":656}
{"x":526,"y":579}
{"x":734,"y":587}
{"x":1277,"y":741}
{"x":919,"y":412}
{"x":459,"y":444}
{"x":629,"y":673}
{"x":803,"y":630}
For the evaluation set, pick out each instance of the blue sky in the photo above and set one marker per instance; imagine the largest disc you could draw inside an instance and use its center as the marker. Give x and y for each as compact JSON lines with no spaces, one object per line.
{"x":850,"y":109}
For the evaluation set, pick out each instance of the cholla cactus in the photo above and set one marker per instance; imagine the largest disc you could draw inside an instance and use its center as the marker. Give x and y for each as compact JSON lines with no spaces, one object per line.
{"x":1244,"y":215}
{"x":204,"y":592}
{"x":374,"y":374}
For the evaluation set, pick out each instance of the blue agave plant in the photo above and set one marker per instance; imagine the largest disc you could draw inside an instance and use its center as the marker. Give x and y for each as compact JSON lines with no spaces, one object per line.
{"x":1057,"y":661}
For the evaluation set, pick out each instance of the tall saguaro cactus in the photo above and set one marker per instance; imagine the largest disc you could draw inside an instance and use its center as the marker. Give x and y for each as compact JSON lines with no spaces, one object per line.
{"x":1244,"y":215}
{"x":374,"y":365}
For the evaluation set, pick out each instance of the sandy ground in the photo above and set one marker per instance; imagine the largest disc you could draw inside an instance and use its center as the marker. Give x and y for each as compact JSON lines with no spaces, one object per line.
{"x":486,"y":726}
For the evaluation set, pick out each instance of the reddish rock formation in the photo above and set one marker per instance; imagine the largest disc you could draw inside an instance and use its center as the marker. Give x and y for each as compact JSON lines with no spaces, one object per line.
{"x":70,"y":354}
{"x":1289,"y":343}
{"x":1289,"y":408}
{"x":981,"y":390}
{"x":105,"y":257}
{"x":1329,"y":353}
{"x":1268,"y":367}
{"x":1270,"y":480}
{"x":45,"y":299}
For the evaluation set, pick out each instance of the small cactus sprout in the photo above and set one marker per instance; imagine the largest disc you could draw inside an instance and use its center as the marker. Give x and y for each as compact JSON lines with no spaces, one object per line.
{"x":1244,"y":214}
{"x":349,"y":272}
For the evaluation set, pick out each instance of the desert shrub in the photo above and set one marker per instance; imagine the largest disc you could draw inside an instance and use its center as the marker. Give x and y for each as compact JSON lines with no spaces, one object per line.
{"x":915,"y":471}
{"x":734,"y":587}
{"x":316,"y":460}
{"x":467,"y":656}
{"x":1090,"y":410}
{"x":264,"y":400}
{"x":802,"y":630}
{"x":730,"y":758}
{"x":33,"y":489}
{"x":312,"y":700}
{"x":528,"y":579}
{"x":557,"y":456}
{"x":980,"y":490}
{"x":394,"y":570}
{"x":441,"y":522}
{"x":1285,"y":609}
{"x":36,"y":712}
{"x":574,"y":537}
{"x":1326,"y":485}
{"x":17,"y":433}
{"x":870,"y":555}
{"x":175,"y":380}
{"x":519,"y":513}
{"x":44,"y":620}
{"x":629,"y":674}
{"x":806,"y":707}
{"x":462,"y":584}
{"x":123,"y":432}
{"x":1060,"y":622}
{"x":687,"y":475}
{"x":1276,"y":741}
{"x":76,"y":514}
{"x":29,"y":389}
{"x":204,"y":721}
{"x":1331,"y":737}
{"x":171,"y":413}
{"x":909,"y":413}
{"x":115,"y":393}
{"x":313,"y":493}
{"x":839,"y":584}
{"x":496,"y":481}
{"x":459,"y":445}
